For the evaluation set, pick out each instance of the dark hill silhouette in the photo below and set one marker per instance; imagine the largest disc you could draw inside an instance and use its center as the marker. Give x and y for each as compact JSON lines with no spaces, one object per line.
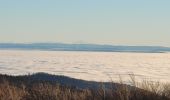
{"x":55,"y":79}
{"x":42,"y":86}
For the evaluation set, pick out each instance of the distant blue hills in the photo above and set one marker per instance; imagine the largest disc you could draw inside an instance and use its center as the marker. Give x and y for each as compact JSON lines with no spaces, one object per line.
{"x":83,"y":47}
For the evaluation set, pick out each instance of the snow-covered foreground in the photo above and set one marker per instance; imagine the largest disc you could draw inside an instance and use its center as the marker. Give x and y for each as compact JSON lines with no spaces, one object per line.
{"x":97,"y":66}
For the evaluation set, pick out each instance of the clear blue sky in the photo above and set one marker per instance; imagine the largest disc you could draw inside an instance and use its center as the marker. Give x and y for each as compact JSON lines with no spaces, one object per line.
{"x":117,"y":22}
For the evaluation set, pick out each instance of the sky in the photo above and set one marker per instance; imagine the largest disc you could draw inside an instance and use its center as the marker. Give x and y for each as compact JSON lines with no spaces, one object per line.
{"x":117,"y":22}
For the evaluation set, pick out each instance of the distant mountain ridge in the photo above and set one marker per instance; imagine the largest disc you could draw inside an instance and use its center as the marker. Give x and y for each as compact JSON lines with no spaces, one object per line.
{"x":83,"y":47}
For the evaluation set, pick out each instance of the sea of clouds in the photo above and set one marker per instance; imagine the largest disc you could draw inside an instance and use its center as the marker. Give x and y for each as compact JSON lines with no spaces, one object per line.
{"x":97,"y":66}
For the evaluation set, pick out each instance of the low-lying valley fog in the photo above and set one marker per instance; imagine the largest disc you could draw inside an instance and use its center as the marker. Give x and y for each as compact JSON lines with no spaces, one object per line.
{"x":97,"y":66}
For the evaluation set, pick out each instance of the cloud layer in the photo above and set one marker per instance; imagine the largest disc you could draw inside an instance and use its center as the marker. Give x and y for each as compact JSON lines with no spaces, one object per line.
{"x":98,"y":66}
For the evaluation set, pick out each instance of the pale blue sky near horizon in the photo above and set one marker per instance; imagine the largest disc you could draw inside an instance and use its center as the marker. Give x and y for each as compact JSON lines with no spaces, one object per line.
{"x":117,"y":22}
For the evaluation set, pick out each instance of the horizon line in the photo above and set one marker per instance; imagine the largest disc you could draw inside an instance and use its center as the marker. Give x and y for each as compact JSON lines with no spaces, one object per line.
{"x":82,"y":44}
